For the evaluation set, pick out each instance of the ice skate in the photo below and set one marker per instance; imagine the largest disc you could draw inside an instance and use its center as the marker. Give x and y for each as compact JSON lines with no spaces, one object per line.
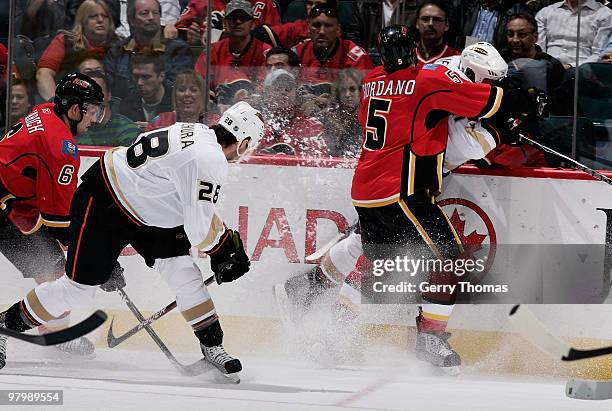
{"x":79,"y":347}
{"x":229,"y":366}
{"x":435,"y":349}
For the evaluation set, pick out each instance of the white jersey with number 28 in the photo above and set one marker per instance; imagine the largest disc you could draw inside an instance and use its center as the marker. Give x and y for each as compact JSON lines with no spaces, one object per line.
{"x":171,"y":177}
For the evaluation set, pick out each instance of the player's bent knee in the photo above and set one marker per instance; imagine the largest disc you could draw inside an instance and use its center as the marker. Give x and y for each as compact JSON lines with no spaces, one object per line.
{"x":185,"y":279}
{"x":57,"y":297}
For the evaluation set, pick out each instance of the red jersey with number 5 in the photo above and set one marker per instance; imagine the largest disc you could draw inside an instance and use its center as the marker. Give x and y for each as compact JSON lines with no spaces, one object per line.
{"x":39,"y":163}
{"x":403,"y":116}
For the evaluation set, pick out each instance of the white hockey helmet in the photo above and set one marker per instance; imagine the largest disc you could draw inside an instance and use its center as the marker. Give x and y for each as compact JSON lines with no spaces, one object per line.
{"x":243,"y":121}
{"x":484,"y":61}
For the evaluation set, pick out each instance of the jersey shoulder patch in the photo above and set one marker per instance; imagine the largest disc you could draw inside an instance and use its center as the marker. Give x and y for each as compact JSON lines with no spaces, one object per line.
{"x":69,"y":148}
{"x":355,"y":53}
{"x":430,"y":67}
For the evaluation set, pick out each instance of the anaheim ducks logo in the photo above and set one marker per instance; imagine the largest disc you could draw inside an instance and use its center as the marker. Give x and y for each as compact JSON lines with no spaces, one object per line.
{"x":474,"y":227}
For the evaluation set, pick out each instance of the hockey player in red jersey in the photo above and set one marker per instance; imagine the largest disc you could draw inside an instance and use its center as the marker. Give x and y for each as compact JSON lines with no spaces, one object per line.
{"x":158,"y":195}
{"x":39,"y":163}
{"x":345,"y":260}
{"x":404,"y":116}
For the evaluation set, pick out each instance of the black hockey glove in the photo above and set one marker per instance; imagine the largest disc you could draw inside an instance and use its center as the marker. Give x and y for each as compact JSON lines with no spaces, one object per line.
{"x":512,"y":131}
{"x":116,"y":280}
{"x":228,"y":259}
{"x":527,"y":103}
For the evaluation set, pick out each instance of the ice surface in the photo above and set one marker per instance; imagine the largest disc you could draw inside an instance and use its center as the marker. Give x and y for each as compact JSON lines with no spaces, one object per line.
{"x":122,"y":380}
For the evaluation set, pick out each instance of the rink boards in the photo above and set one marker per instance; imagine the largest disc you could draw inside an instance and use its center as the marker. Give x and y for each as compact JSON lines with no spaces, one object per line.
{"x":286,"y":208}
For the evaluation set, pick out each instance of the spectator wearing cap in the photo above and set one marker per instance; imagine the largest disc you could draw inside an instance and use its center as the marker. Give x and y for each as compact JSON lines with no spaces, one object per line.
{"x":114,"y":129}
{"x":325,"y":52}
{"x":193,"y":19}
{"x":237,"y":61}
{"x":287,"y":130}
{"x":146,"y":37}
{"x":557,"y":30}
{"x":289,"y":34}
{"x":154,"y":96}
{"x":432,"y":24}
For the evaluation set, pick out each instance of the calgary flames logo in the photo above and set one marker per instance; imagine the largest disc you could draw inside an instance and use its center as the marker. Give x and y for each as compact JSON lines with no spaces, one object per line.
{"x":481,"y":240}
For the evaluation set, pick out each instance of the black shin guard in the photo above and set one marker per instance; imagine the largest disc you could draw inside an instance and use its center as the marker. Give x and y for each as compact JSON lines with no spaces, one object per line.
{"x":211,"y":335}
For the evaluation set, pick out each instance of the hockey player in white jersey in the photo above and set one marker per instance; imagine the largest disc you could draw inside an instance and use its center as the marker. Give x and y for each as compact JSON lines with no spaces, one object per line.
{"x":158,"y":195}
{"x":342,"y":265}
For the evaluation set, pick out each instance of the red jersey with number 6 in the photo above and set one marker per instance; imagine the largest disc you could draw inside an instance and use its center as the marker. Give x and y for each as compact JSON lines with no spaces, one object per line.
{"x":39,"y":163}
{"x":403,"y":116}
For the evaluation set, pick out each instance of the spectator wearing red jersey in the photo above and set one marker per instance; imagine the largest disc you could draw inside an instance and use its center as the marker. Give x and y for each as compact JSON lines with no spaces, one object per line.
{"x":289,"y":34}
{"x":432,"y":25}
{"x":92,"y":35}
{"x":193,"y":19}
{"x":325,"y":52}
{"x":288,"y":131}
{"x":237,"y":61}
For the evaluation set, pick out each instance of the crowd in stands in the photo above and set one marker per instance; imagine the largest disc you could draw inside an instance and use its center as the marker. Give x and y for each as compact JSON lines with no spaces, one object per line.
{"x":299,"y":61}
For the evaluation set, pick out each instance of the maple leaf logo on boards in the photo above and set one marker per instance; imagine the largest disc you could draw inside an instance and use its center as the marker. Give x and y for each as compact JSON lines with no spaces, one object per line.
{"x":481,"y":230}
{"x":474,"y":238}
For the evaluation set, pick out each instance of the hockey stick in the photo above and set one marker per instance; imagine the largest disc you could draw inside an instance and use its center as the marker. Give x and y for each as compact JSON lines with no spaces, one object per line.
{"x":199,"y":367}
{"x":115,"y":341}
{"x":319,"y":253}
{"x":595,"y":174}
{"x":78,"y":330}
{"x":327,"y":246}
{"x":526,"y":324}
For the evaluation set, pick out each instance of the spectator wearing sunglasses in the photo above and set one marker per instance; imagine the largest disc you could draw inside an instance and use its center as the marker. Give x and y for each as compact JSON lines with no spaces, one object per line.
{"x":325,"y":52}
{"x":238,"y":60}
{"x":432,"y":24}
{"x":290,"y":34}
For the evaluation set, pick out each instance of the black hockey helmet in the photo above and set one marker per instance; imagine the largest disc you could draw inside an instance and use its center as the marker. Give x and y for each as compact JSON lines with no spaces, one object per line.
{"x":396,"y":46}
{"x":77,"y":88}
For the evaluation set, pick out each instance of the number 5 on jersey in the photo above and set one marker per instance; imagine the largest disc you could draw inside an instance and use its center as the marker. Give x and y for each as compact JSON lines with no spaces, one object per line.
{"x":376,"y":126}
